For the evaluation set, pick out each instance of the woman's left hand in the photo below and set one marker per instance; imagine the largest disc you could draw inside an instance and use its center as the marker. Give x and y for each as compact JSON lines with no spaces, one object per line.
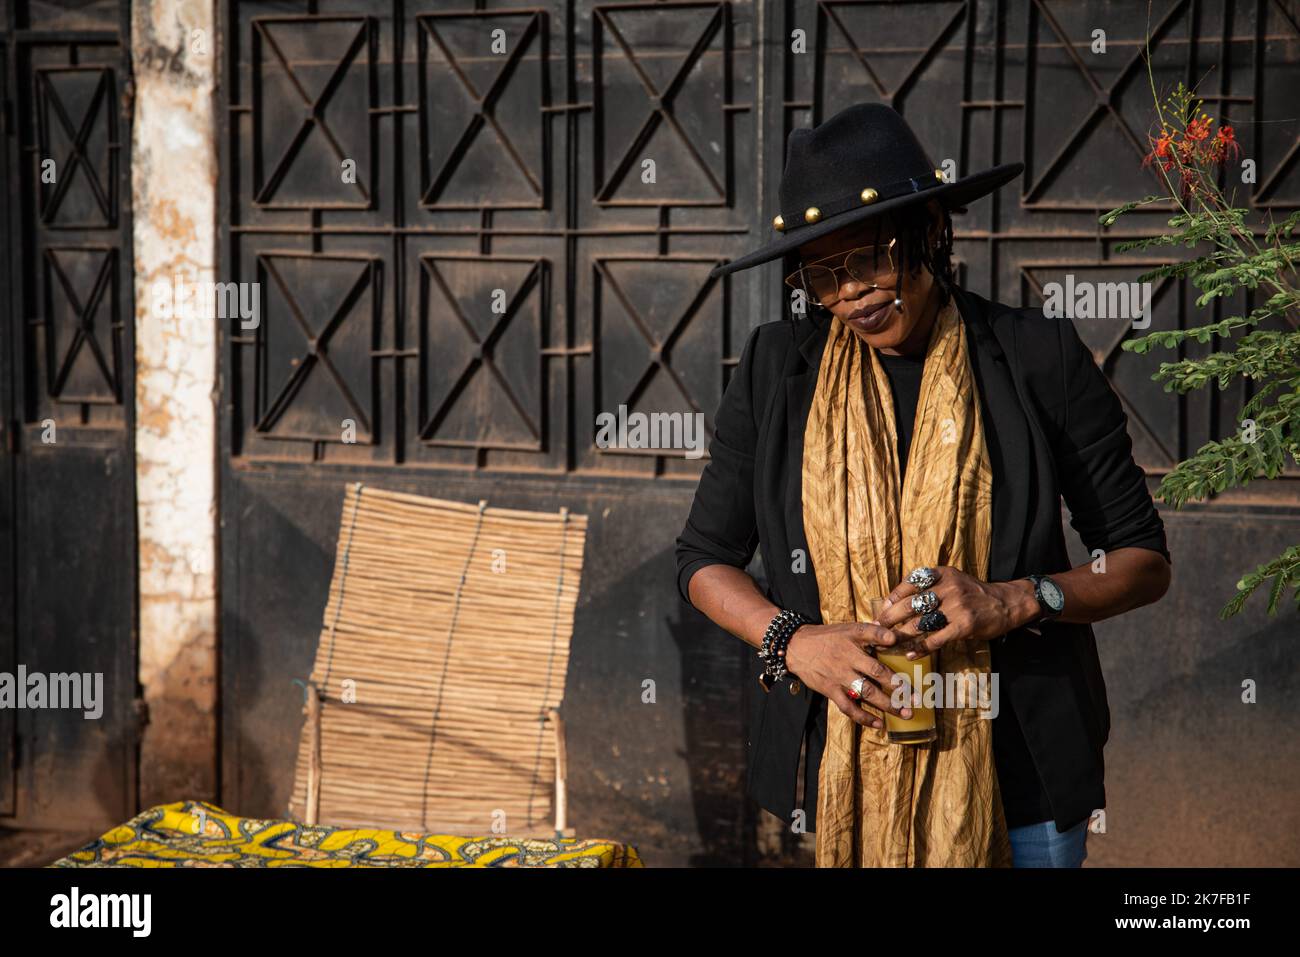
{"x":974,"y":609}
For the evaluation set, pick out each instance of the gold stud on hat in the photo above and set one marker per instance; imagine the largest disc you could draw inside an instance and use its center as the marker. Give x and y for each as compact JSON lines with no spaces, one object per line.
{"x":778,"y":224}
{"x":869,"y":195}
{"x":938,"y":174}
{"x":812,"y":214}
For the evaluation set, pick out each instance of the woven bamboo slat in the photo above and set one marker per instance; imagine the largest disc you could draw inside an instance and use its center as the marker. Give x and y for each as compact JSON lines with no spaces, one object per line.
{"x":441,"y":661}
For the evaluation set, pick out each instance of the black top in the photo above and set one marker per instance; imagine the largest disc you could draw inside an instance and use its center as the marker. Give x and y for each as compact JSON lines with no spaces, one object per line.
{"x":1023,"y":797}
{"x":904,"y":374}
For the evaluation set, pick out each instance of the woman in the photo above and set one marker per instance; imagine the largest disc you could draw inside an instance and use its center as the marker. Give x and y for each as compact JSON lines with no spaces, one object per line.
{"x":904,"y":437}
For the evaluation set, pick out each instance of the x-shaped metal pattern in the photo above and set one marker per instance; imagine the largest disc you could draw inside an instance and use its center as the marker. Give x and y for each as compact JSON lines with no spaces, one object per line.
{"x":1105,"y":102}
{"x":78,"y":133}
{"x":658,"y":350}
{"x":84,"y":334}
{"x":317,"y":353}
{"x":1102,"y":355}
{"x":485,"y":102}
{"x":315,"y":108}
{"x":895,"y":96}
{"x":482,"y":350}
{"x":662,"y":100}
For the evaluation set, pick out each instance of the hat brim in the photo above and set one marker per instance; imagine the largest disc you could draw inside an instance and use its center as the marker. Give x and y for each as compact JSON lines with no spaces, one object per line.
{"x":951,"y":195}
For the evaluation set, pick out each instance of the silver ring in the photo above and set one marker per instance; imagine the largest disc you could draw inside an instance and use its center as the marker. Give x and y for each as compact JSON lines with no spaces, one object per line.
{"x":923,"y":577}
{"x":926,"y":601}
{"x":857,"y":685}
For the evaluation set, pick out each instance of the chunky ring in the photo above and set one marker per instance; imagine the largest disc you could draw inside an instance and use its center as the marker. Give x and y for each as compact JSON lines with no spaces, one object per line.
{"x":923,"y":577}
{"x":932,"y":621}
{"x":857,"y":685}
{"x":926,"y":601}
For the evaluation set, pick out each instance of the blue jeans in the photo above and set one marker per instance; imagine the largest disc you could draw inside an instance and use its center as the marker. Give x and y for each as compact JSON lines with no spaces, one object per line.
{"x":1041,"y":845}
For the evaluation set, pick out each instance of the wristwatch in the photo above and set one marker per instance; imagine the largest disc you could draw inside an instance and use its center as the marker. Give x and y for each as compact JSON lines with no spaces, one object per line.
{"x":1051,"y":600}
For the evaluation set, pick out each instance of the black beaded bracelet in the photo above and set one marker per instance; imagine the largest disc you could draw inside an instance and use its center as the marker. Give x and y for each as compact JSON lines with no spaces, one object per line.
{"x":775,"y":640}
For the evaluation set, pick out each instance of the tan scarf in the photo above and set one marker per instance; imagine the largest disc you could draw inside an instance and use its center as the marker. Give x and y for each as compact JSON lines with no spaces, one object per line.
{"x":901,"y":805}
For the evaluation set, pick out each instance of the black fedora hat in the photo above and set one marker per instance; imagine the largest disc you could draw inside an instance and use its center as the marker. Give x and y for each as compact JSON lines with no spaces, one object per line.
{"x":864,"y":161}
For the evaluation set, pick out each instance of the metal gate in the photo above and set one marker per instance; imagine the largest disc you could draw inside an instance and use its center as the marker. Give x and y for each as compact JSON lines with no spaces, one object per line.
{"x":67,"y":505}
{"x":474,"y":229}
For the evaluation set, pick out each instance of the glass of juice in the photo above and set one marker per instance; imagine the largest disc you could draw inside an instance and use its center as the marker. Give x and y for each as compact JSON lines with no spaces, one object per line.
{"x":920,"y":728}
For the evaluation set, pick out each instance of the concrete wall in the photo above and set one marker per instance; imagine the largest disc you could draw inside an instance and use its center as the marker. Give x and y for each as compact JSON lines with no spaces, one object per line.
{"x":174,"y":194}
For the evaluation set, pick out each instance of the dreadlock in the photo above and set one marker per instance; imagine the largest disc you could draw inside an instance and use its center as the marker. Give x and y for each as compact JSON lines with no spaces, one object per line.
{"x":912,"y":224}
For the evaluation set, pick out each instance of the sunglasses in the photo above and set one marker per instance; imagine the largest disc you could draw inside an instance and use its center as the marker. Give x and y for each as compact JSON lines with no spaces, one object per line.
{"x":819,"y":280}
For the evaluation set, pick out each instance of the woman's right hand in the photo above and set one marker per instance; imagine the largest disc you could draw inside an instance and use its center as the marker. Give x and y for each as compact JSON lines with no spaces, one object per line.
{"x":829,"y":658}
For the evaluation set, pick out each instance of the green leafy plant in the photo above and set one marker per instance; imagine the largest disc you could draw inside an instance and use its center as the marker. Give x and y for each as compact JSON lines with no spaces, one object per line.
{"x":1228,"y":257}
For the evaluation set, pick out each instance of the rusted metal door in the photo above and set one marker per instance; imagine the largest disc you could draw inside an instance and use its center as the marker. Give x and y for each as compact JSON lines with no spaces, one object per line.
{"x":474,"y":230}
{"x":67,"y":509}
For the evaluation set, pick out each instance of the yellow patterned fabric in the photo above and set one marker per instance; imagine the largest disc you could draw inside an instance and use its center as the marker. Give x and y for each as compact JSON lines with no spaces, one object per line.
{"x":901,"y":805}
{"x":197,"y":834}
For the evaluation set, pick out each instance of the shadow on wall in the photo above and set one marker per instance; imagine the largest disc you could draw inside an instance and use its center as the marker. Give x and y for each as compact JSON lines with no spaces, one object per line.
{"x":656,"y":717}
{"x":284,"y":565}
{"x":40,"y":848}
{"x":1196,"y":776}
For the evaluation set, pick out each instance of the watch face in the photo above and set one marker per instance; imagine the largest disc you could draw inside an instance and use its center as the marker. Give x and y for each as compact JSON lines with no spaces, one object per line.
{"x":1051,"y":594}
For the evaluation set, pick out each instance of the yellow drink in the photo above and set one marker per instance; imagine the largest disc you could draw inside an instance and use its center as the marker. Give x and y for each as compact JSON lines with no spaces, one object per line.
{"x":920,"y":728}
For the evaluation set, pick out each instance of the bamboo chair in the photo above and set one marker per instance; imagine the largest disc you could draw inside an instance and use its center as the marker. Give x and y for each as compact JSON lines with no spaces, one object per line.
{"x":433,"y":702}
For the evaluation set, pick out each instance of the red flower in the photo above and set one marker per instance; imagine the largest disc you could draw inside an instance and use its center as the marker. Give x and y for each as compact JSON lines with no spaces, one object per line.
{"x":1191,"y":154}
{"x":1226,"y":143}
{"x":1160,"y":149}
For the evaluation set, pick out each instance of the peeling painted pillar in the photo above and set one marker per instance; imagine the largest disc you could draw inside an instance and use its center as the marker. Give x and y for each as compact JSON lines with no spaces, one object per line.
{"x":174,"y":187}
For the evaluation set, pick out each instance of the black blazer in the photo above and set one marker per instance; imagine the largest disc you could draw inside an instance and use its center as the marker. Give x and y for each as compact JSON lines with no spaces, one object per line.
{"x":1054,"y":428}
